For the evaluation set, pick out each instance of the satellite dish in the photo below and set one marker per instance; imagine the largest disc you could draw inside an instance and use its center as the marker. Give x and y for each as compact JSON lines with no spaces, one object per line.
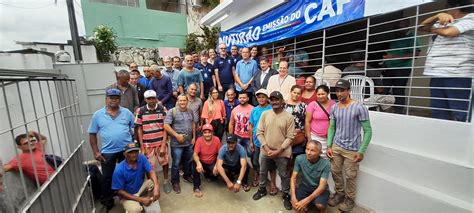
{"x":62,"y":56}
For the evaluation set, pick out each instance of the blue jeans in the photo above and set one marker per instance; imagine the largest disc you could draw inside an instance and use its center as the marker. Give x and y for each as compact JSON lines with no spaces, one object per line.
{"x":245,"y":142}
{"x":184,"y":154}
{"x":446,"y":106}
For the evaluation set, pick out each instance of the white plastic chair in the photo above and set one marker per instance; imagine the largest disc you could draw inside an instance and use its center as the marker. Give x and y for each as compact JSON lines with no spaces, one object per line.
{"x":321,"y":81}
{"x":358,"y":83}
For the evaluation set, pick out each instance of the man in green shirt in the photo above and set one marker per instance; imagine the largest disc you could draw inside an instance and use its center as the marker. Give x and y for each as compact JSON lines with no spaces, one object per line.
{"x":314,"y":173}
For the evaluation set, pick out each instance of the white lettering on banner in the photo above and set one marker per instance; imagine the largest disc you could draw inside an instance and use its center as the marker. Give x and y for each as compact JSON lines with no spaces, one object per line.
{"x":326,"y":9}
{"x":253,"y":34}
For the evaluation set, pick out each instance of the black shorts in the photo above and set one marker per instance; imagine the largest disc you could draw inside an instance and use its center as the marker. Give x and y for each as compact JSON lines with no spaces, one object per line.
{"x":303,"y":191}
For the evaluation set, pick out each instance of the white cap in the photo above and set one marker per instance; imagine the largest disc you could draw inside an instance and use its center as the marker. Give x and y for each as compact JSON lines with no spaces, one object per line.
{"x":150,"y":94}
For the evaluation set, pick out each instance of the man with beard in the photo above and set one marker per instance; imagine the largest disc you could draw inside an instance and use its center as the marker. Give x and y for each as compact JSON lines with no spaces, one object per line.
{"x":276,"y":131}
{"x":346,"y":147}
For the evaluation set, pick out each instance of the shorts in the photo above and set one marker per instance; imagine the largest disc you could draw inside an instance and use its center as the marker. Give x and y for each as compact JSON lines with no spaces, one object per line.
{"x":154,"y":152}
{"x":303,"y":192}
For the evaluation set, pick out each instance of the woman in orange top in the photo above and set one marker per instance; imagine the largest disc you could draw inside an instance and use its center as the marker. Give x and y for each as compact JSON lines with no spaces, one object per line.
{"x":213,"y":112}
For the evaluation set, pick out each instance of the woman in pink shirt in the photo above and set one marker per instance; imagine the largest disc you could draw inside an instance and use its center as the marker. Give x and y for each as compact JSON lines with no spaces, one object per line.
{"x":213,"y":112}
{"x":317,"y":117}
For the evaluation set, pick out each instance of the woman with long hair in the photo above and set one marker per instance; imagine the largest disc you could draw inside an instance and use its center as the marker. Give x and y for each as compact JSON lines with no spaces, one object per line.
{"x":213,"y":112}
{"x":309,"y":93}
{"x":317,"y":118}
{"x":297,"y":108}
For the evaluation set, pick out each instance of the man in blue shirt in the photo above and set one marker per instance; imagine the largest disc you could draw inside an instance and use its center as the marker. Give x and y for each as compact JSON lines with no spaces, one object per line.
{"x":224,"y":68}
{"x":232,"y":165}
{"x":234,"y":54}
{"x":114,"y":125}
{"x":206,"y":72}
{"x":145,"y":80}
{"x":230,"y":103}
{"x":129,"y":180}
{"x":244,"y":72}
{"x":173,"y":74}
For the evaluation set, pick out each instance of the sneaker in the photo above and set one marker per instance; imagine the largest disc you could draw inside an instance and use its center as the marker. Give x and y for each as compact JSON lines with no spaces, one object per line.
{"x":188,"y":179}
{"x":347,"y":205}
{"x":335,"y":199}
{"x":287,"y":202}
{"x":261,"y":192}
{"x":176,"y":188}
{"x":167,"y":187}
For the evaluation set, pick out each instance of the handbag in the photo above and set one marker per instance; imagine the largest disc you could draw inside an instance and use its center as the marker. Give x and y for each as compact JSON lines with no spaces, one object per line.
{"x":299,"y":138}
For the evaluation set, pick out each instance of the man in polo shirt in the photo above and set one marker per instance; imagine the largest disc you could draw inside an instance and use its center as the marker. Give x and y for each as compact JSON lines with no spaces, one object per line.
{"x":207,"y":73}
{"x":234,"y":54}
{"x":450,"y":60}
{"x":162,"y":85}
{"x":346,"y":147}
{"x":149,"y":122}
{"x":275,"y":131}
{"x":114,"y":125}
{"x":314,"y":172}
{"x":130,"y":183}
{"x":224,"y":68}
{"x":232,"y":165}
{"x":189,"y":75}
{"x":206,"y":149}
{"x":173,"y":74}
{"x":244,"y":72}
{"x":129,"y":97}
{"x":145,"y":80}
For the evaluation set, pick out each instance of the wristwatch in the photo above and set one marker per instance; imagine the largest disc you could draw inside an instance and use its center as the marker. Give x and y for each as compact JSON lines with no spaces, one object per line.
{"x":238,"y":182}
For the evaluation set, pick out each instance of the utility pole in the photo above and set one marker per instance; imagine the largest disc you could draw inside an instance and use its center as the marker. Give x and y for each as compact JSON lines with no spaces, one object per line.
{"x":76,"y":43}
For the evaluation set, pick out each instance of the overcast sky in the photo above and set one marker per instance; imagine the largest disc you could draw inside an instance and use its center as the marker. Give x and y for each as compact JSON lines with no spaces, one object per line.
{"x":36,"y":20}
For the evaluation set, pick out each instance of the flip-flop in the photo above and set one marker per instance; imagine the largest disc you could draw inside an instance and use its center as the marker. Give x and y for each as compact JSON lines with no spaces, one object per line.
{"x":246,"y":188}
{"x":197,"y":193}
{"x":273,"y":191}
{"x":255,"y":183}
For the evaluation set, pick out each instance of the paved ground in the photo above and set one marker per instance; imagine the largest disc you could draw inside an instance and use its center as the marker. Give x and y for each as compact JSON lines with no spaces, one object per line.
{"x":218,"y":199}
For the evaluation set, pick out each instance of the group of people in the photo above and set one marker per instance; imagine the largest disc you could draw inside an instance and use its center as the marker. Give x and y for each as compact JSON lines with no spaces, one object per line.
{"x":249,"y":123}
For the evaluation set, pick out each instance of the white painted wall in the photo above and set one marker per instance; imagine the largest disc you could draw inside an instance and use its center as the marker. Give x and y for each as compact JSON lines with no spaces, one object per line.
{"x":25,"y":61}
{"x":417,"y":164}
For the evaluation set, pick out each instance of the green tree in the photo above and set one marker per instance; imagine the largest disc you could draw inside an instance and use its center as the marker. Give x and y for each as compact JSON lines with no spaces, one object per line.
{"x":197,"y":42}
{"x":104,"y":41}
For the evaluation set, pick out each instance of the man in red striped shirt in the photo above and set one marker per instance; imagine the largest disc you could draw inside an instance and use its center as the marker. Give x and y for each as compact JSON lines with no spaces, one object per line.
{"x":149,"y":120}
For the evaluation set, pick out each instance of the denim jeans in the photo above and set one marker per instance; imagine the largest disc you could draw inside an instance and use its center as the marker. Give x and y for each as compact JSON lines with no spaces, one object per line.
{"x":446,"y":106}
{"x":245,"y":142}
{"x":181,"y":154}
{"x":108,"y":167}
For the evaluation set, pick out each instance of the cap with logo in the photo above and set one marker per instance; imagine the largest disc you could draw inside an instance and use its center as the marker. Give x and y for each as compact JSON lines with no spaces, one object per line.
{"x":113,"y":92}
{"x":207,"y":127}
{"x":231,"y":138}
{"x":150,"y":94}
{"x":276,"y":94}
{"x":343,"y":84}
{"x":131,"y":147}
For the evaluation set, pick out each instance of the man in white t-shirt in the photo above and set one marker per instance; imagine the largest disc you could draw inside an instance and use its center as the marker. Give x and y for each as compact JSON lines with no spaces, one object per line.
{"x":450,"y":60}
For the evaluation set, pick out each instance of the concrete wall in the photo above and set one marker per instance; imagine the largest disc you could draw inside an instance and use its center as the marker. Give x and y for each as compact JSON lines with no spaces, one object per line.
{"x":137,"y":27}
{"x":25,"y":61}
{"x":89,"y":54}
{"x":416,"y":164}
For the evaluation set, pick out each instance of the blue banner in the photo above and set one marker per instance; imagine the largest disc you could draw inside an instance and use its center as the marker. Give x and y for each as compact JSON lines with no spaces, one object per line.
{"x":291,"y":19}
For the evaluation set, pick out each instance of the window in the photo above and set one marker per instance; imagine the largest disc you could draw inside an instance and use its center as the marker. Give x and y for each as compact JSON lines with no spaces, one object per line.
{"x":173,"y":6}
{"x":129,"y":3}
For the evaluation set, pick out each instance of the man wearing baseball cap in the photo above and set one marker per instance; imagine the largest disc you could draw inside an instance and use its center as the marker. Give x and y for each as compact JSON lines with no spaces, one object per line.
{"x":275,"y":131}
{"x":346,"y":147}
{"x":232,"y":164}
{"x":114,"y":125}
{"x":205,"y":153}
{"x":129,"y":180}
{"x":263,"y":105}
{"x":149,"y":122}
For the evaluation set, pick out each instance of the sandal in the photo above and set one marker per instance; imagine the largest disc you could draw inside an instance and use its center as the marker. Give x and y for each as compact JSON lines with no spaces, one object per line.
{"x":197,"y":193}
{"x":255,"y":182}
{"x":273,"y":191}
{"x":246,"y":188}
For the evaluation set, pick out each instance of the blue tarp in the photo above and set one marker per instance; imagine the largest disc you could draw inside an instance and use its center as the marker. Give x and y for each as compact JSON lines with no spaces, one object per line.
{"x":291,"y":19}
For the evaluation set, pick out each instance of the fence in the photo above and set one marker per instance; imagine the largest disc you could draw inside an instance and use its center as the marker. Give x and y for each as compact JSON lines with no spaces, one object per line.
{"x":366,"y":47}
{"x":45,"y":102}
